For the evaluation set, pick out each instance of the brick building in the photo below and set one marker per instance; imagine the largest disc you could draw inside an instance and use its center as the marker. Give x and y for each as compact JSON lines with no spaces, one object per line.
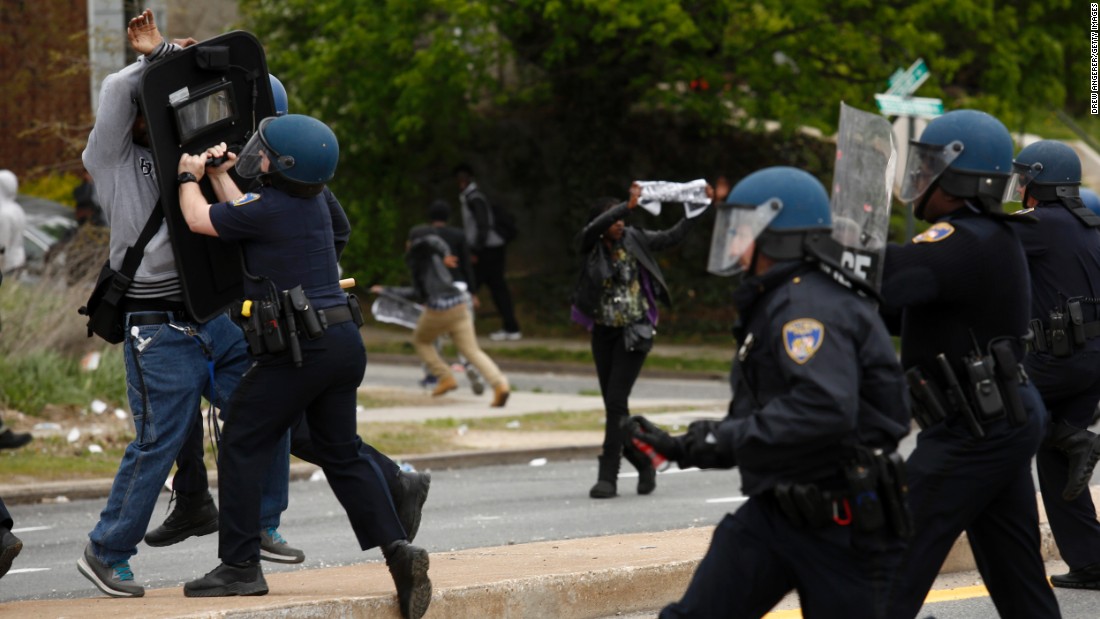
{"x":54,"y":55}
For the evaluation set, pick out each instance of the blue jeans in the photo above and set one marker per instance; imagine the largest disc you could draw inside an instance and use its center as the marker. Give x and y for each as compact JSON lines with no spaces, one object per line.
{"x":168,"y":368}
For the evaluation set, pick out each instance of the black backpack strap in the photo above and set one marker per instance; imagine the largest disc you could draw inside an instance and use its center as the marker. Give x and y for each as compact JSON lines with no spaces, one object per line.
{"x":135,"y":252}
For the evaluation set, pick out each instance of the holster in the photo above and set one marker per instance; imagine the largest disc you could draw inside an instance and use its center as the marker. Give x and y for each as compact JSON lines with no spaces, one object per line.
{"x":1010,"y":376}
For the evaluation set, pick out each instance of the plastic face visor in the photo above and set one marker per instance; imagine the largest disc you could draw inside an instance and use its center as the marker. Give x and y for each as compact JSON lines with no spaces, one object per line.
{"x":250,"y":161}
{"x":924,"y":164}
{"x":736,"y":228}
{"x":1022,"y":175}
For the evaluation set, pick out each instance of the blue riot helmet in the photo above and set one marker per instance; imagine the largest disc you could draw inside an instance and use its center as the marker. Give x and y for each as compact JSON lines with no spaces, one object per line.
{"x":1045,"y":170}
{"x":966,"y":153}
{"x":769,"y":211}
{"x":278,"y":93}
{"x":297,"y":153}
{"x":1091,"y":200}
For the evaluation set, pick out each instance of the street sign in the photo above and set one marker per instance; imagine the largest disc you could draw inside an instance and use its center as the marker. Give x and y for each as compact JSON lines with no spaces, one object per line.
{"x":893,"y":105}
{"x":904,"y":83}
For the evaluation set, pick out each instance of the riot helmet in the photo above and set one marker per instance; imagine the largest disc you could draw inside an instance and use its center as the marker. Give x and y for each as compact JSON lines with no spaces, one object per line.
{"x":1045,"y":170}
{"x":299,"y":153}
{"x":770,"y":211}
{"x":1091,"y":200}
{"x":966,"y":153}
{"x":278,"y":95}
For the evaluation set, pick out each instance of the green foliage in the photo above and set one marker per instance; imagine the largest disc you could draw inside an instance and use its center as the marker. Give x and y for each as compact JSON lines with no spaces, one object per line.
{"x":54,"y":186}
{"x":34,"y":380}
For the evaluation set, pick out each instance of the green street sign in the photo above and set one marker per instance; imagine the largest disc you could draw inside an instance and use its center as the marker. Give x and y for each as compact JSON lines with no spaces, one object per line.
{"x":893,"y":105}
{"x":905,"y":83}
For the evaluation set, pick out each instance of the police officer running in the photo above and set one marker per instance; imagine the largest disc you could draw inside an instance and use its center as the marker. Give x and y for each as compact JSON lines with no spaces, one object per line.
{"x":308,"y":353}
{"x":961,"y":289}
{"x":817,"y":412}
{"x":1063,"y":254}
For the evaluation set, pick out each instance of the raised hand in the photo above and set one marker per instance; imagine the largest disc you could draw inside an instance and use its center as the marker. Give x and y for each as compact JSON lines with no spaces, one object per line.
{"x":143,"y":34}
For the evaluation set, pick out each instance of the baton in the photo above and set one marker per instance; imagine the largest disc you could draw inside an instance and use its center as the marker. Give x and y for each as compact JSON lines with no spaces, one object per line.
{"x":347,"y":282}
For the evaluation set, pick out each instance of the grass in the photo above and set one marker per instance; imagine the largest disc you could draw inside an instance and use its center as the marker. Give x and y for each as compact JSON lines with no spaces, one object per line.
{"x":563,"y":355}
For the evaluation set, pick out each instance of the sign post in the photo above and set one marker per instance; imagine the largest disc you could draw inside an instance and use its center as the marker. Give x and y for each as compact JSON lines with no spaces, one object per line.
{"x":898,"y":100}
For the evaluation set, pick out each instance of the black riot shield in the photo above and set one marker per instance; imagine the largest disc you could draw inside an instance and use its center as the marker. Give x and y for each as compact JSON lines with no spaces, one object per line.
{"x":215,"y":91}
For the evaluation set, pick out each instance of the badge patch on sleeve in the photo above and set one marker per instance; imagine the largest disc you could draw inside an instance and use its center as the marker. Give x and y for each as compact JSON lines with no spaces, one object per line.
{"x":802,"y":338}
{"x":936,"y":233}
{"x":245,"y":199}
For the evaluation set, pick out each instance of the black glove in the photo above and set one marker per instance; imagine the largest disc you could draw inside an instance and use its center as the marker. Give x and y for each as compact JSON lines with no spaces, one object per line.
{"x":662,"y":442}
{"x":701,"y":447}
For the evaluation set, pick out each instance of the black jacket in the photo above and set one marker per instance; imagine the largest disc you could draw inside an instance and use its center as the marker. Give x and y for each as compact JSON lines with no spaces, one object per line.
{"x":431,"y":279}
{"x":638,"y":242}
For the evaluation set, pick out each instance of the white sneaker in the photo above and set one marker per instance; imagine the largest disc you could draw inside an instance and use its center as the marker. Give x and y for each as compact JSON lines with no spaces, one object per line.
{"x":501,"y":336}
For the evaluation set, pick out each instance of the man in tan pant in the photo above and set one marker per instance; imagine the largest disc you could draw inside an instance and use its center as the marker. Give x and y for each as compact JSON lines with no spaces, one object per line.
{"x":445,"y":312}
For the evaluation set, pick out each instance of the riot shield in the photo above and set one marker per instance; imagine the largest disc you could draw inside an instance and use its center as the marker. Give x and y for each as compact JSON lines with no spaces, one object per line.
{"x":862,"y":183}
{"x":215,"y":91}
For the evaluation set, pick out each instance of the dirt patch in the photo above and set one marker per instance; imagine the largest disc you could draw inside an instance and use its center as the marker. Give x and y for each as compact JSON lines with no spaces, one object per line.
{"x":518,"y":439}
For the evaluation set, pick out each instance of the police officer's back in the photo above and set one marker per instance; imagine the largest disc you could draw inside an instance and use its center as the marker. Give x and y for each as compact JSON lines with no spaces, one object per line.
{"x":961,"y":288}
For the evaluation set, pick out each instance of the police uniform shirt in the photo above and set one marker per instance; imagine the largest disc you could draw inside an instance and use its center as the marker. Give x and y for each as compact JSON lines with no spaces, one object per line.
{"x":286,"y":239}
{"x":816,"y":372}
{"x":967,"y":274}
{"x":1063,"y":257}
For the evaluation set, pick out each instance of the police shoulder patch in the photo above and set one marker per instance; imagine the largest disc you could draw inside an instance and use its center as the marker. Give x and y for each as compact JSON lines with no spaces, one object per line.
{"x":936,"y":233}
{"x":802,"y":338}
{"x":245,"y":199}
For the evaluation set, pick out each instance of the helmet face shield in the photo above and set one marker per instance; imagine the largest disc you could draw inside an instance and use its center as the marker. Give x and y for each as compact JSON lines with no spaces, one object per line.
{"x":1022,"y":175}
{"x":924,"y":164}
{"x":251,"y":160}
{"x":736,"y":228}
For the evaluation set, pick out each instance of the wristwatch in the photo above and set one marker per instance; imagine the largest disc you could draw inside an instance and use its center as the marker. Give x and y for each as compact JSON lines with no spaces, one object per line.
{"x":186,"y":177}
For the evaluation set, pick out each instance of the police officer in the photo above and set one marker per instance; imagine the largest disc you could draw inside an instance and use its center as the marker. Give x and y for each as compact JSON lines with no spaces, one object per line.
{"x":817,"y":412}
{"x":309,"y":355}
{"x":961,"y":289}
{"x":195,"y":513}
{"x":1063,"y":254}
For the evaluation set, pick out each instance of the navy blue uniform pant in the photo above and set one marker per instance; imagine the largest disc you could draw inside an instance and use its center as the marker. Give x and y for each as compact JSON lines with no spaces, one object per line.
{"x":757,"y":556}
{"x":958,"y":483}
{"x":1070,"y":388}
{"x":617,"y":369}
{"x":270,"y":398}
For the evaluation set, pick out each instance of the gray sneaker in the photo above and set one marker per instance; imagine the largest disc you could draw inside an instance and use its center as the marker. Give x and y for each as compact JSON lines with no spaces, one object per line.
{"x":275,"y":549}
{"x":116,"y":580}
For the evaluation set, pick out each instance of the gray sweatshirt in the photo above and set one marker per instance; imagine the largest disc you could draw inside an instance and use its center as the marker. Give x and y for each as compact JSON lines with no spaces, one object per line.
{"x":126,"y":183}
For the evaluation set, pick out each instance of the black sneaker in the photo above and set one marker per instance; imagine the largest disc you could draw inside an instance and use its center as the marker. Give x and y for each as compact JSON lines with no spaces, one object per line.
{"x":115,"y":580}
{"x":10,"y":545}
{"x":409,"y":497}
{"x":192,"y":515}
{"x":13,"y":440}
{"x":409,"y":568}
{"x":226,"y":580}
{"x":1087,"y":577}
{"x":275,"y":549}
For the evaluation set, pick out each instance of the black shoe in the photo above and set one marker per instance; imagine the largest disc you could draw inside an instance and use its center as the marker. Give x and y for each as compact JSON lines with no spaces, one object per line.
{"x":13,"y":440}
{"x":1087,"y":577}
{"x":409,"y":567}
{"x":10,"y":545}
{"x":409,"y":494}
{"x":647,"y":480}
{"x":226,"y":580}
{"x":193,"y":515}
{"x":603,"y":490}
{"x":115,"y":580}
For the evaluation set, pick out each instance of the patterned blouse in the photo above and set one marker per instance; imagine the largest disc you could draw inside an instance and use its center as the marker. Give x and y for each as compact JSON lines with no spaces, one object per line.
{"x":623,"y":301}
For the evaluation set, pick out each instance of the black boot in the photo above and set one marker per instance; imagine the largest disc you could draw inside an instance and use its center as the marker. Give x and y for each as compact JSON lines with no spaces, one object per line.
{"x":409,"y":494}
{"x":647,"y":475}
{"x":605,"y":487}
{"x":1082,"y":449}
{"x":194,"y":514}
{"x":409,"y":568}
{"x":229,"y":579}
